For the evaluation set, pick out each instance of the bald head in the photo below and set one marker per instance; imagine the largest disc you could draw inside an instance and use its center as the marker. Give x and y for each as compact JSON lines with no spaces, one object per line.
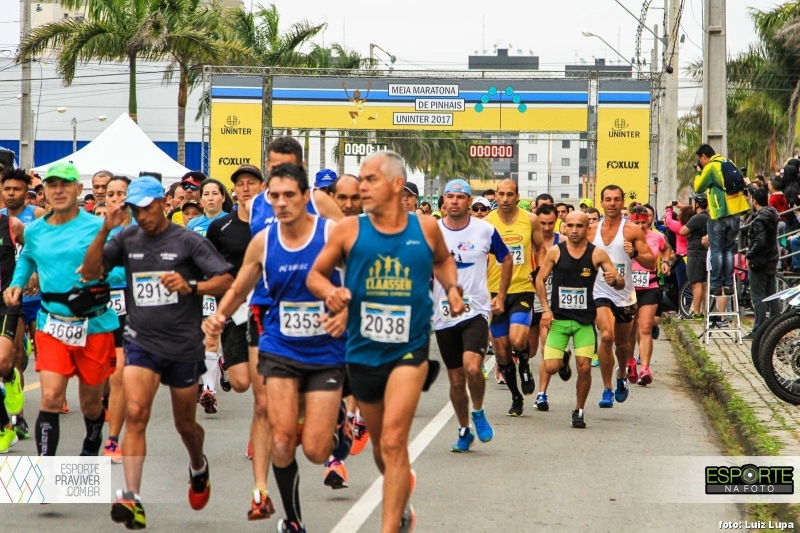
{"x":577,"y":224}
{"x":346,"y":194}
{"x":390,"y":163}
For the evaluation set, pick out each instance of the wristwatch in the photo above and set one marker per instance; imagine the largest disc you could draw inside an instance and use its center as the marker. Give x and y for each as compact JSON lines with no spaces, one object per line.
{"x":457,"y":286}
{"x":193,"y":285}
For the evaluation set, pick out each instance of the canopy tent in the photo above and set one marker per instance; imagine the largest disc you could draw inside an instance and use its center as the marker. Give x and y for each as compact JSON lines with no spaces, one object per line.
{"x":123,"y":149}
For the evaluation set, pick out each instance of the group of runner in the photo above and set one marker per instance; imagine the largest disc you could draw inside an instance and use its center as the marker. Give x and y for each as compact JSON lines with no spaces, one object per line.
{"x":325,"y":314}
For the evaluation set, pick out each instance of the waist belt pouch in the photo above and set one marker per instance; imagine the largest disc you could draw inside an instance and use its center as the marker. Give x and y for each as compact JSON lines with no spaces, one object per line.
{"x":81,"y":300}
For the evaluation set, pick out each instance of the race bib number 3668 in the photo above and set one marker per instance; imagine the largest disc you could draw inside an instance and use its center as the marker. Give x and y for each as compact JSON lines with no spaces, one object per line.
{"x":385,"y":323}
{"x":71,"y":333}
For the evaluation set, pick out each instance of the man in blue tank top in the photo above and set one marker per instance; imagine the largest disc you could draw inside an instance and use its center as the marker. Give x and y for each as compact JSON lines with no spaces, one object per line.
{"x":301,"y":351}
{"x":389,"y":256}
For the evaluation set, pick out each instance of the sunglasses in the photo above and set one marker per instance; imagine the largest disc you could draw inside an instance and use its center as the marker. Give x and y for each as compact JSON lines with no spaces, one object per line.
{"x":481,"y":208}
{"x":189,"y":187}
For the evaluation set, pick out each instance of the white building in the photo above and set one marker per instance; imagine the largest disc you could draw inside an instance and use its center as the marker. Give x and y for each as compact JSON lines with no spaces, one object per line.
{"x":550,"y":164}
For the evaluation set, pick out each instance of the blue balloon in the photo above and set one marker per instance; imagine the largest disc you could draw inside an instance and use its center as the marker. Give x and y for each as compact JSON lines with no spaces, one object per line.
{"x":492,"y":90}
{"x":517,"y":99}
{"x":509,"y":90}
{"x":522,"y":108}
{"x":485,"y":98}
{"x":478,"y":107}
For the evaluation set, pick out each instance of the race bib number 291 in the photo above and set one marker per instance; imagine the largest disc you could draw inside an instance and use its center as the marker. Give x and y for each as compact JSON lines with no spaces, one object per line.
{"x":149,"y":292}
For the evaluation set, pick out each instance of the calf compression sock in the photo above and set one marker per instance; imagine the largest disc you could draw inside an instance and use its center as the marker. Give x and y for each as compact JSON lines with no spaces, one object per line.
{"x":288,"y":481}
{"x":94,"y":434}
{"x":46,"y":433}
{"x":509,"y":373}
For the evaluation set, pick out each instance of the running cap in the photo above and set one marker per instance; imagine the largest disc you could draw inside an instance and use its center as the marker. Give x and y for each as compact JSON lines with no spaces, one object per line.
{"x":324,"y":178}
{"x":411,"y":187}
{"x":483,"y":201}
{"x":247,"y":169}
{"x":191,"y":203}
{"x":64,"y":171}
{"x":524,"y":204}
{"x":458,"y":186}
{"x":143,"y":191}
{"x":193,"y":178}
{"x":31,"y":191}
{"x":586,"y":202}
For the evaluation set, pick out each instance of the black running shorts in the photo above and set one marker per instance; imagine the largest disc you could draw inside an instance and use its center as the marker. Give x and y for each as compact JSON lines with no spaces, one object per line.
{"x":468,"y":336}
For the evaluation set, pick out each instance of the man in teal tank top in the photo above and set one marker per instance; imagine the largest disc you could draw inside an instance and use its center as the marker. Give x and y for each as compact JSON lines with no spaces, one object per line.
{"x":389,"y":256}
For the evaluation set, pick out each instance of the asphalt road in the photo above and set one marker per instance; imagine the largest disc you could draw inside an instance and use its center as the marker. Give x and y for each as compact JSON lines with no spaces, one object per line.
{"x":537,"y":474}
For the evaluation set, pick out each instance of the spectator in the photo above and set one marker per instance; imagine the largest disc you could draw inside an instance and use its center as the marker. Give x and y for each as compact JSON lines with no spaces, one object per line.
{"x":777,"y":199}
{"x":695,"y":233}
{"x":762,"y":258}
{"x":675,"y":226}
{"x":724,"y":210}
{"x":791,"y":190}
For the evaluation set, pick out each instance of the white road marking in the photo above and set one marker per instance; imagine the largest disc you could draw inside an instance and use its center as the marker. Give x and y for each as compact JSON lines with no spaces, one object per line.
{"x":363,"y":508}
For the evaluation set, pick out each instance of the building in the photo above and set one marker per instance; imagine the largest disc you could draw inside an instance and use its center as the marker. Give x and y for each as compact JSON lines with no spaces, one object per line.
{"x":582,"y":71}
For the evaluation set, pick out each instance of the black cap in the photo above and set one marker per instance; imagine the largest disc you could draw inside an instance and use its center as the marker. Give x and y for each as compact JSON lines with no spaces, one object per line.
{"x":247,"y":169}
{"x":412,"y":188}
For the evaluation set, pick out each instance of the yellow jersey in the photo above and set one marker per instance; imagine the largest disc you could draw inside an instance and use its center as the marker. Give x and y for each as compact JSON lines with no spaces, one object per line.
{"x":517,"y":237}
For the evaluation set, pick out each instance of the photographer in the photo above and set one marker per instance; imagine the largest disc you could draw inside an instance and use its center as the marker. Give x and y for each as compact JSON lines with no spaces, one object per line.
{"x":762,"y":257}
{"x":695,"y":232}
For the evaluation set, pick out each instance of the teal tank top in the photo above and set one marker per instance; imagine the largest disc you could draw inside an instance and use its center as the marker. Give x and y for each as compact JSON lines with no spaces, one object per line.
{"x":389,"y":278}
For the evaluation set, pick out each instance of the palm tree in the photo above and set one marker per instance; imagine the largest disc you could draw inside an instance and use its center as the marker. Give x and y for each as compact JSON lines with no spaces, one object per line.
{"x":106,"y":34}
{"x":191,"y":35}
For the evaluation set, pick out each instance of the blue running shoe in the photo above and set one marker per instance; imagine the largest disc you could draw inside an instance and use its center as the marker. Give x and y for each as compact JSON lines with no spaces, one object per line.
{"x":608,"y":399}
{"x":541,"y":402}
{"x":595,"y":361}
{"x":465,"y":441}
{"x":482,"y":427}
{"x":621,"y":393}
{"x":656,"y":332}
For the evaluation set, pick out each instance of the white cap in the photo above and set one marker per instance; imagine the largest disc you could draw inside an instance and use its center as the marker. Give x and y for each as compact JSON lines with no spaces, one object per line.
{"x":483,"y":201}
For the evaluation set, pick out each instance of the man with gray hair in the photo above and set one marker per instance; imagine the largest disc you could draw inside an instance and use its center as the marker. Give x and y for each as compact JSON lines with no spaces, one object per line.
{"x":99,"y":183}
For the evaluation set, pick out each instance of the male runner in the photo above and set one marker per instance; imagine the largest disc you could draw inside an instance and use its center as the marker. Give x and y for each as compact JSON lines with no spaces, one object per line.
{"x":75,"y":327}
{"x":570,"y":311}
{"x":521,"y":232}
{"x":14,"y":184}
{"x":279,"y":150}
{"x":623,"y":241}
{"x":389,"y":255}
{"x":462,"y":340}
{"x":168,"y":270}
{"x":299,"y":351}
{"x":344,"y":192}
{"x":99,"y":183}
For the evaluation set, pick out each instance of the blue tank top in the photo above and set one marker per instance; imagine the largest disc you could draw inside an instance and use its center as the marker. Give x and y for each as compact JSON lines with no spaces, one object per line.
{"x":261,"y":216}
{"x":27,"y":217}
{"x":389,"y":277}
{"x":290,"y":326}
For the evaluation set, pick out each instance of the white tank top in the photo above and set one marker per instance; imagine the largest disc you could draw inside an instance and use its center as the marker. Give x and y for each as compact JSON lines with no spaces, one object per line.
{"x":623,"y":262}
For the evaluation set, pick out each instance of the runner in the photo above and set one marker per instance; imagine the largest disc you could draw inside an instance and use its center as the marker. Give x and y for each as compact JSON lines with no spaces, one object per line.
{"x":388,"y":256}
{"x":344,"y":192}
{"x":547,"y":219}
{"x":623,"y":241}
{"x":166,"y":268}
{"x":190,"y":183}
{"x":571,"y":311}
{"x":75,"y":328}
{"x":522,"y":234}
{"x":99,"y":183}
{"x":216,"y":204}
{"x":462,"y":341}
{"x":14,"y":183}
{"x":648,"y":295}
{"x":300,"y":355}
{"x":114,"y":397}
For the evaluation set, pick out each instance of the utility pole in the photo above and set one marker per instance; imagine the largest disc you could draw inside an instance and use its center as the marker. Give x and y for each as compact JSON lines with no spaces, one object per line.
{"x":668,"y":130}
{"x":26,"y":113}
{"x":656,"y":135}
{"x":715,"y":77}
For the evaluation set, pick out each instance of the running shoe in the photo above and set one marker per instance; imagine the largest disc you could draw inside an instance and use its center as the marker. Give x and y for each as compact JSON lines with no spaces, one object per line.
{"x":516,"y":407}
{"x":28,"y":346}
{"x":112,"y":449}
{"x":65,"y":408}
{"x":565,"y":372}
{"x":483,"y":429}
{"x":621,"y":392}
{"x":465,"y":441}
{"x":360,"y":436}
{"x":490,"y":350}
{"x":721,"y":323}
{"x":577,"y":419}
{"x":128,"y":510}
{"x":261,"y":506}
{"x":15,"y":397}
{"x":656,"y":332}
{"x":633,"y":376}
{"x":21,"y":427}
{"x":412,"y":482}
{"x":408,"y":522}
{"x":645,"y":377}
{"x":485,"y":372}
{"x":498,"y":376}
{"x":284,"y":526}
{"x":8,"y":438}
{"x":541,"y":402}
{"x":224,"y":382}
{"x":695,"y":316}
{"x":335,"y":475}
{"x":249,"y":452}
{"x":595,"y":361}
{"x":200,"y":389}
{"x":199,"y":488}
{"x":209,"y":402}
{"x":607,"y":402}
{"x":343,"y":435}
{"x":526,"y":382}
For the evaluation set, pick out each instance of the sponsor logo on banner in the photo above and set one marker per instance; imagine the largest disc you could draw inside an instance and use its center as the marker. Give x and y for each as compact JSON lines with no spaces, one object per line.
{"x":235,"y":137}
{"x":630,"y":165}
{"x":25,"y":479}
{"x":620,"y":130}
{"x":231,"y":121}
{"x":624,"y":132}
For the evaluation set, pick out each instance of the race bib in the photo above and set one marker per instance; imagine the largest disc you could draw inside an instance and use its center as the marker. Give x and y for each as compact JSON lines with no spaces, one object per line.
{"x":299,"y":319}
{"x":209,"y":305}
{"x":517,"y":254}
{"x":641,"y":279}
{"x":548,"y":284}
{"x":149,"y":292}
{"x":620,"y":269}
{"x":572,"y":298}
{"x":385,"y":323}
{"x":72,"y":333}
{"x":447,"y":316}
{"x":241,"y":315}
{"x":117,"y":302}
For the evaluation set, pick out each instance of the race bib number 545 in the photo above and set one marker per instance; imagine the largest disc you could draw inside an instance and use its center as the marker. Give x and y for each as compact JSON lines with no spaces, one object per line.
{"x":385,"y":323}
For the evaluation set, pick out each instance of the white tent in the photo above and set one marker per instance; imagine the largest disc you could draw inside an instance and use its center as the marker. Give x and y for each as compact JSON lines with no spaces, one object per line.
{"x":124,"y":149}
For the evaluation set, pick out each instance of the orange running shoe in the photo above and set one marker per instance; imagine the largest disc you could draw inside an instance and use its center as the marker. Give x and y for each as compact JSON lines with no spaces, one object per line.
{"x":199,"y":488}
{"x":335,"y":475}
{"x":249,"y":452}
{"x":360,"y":437}
{"x":112,"y":449}
{"x":261,"y":506}
{"x":413,"y":483}
{"x":64,"y":408}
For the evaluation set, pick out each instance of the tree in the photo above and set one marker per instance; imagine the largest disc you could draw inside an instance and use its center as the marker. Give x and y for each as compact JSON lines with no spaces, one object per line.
{"x":106,"y":34}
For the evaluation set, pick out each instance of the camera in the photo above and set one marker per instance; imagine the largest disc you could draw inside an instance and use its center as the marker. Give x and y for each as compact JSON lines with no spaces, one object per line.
{"x":674,"y":203}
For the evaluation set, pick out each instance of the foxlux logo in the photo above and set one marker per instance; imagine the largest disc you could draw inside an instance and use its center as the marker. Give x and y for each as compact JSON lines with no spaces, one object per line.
{"x":749,"y":479}
{"x":233,"y":160}
{"x":629,"y":165}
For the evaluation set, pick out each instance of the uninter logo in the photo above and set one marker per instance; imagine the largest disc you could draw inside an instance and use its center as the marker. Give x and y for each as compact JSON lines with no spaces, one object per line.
{"x":627,"y":165}
{"x":620,"y":125}
{"x":231,"y":121}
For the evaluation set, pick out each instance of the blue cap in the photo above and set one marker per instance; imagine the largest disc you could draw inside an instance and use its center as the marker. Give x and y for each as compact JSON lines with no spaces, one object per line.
{"x":142,"y":191}
{"x":324,"y":178}
{"x":458,"y":185}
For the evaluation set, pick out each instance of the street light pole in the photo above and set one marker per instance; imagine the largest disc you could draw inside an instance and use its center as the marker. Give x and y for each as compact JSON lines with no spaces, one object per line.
{"x":26,"y":117}
{"x":74,"y":124}
{"x":588,"y":34}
